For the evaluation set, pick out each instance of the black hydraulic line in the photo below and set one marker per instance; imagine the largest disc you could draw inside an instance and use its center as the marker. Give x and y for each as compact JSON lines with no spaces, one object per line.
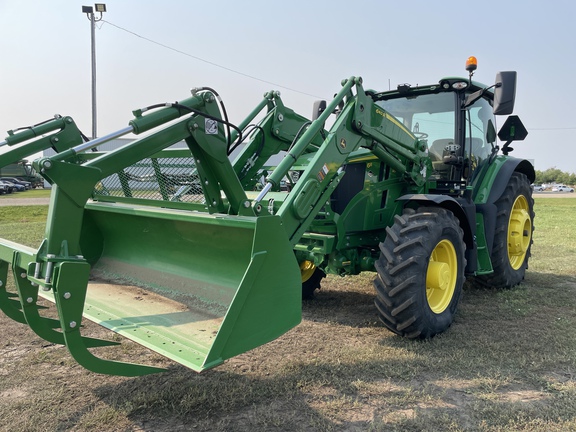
{"x":246,"y":132}
{"x":57,"y":116}
{"x":208,"y":116}
{"x":306,"y":124}
{"x":224,"y":113}
{"x":200,"y":113}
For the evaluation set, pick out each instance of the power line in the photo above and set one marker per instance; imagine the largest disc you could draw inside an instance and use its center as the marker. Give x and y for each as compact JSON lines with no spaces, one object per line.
{"x":208,"y":61}
{"x":551,"y":129}
{"x":252,"y":76}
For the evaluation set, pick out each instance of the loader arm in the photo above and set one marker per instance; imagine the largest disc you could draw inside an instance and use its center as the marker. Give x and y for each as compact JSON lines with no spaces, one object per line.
{"x":360,"y":124}
{"x":277,"y":132}
{"x":63,"y":134}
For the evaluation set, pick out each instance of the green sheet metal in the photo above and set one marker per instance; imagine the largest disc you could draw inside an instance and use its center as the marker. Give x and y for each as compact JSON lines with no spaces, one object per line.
{"x":194,"y":287}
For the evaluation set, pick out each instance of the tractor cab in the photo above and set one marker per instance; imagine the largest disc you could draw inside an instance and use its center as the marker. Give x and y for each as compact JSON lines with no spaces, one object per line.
{"x":457,"y":119}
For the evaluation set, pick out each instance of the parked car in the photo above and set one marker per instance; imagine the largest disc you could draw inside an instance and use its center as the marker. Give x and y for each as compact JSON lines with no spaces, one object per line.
{"x":562,"y":188}
{"x":27,"y":185}
{"x":8,"y":187}
{"x":537,"y":188}
{"x":37,"y":182}
{"x":15,"y":186}
{"x":3,"y":189}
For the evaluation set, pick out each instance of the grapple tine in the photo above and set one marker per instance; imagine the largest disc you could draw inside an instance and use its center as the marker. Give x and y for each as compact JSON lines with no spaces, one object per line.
{"x":77,"y":348}
{"x":72,"y":278}
{"x":27,"y":313}
{"x":13,"y":309}
{"x":8,"y":305}
{"x":15,"y":300}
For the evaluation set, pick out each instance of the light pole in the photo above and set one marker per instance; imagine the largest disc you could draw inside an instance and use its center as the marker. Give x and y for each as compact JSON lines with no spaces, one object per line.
{"x":89,"y":11}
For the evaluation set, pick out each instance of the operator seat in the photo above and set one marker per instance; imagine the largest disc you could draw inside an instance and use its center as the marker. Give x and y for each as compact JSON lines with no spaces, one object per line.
{"x":436,"y":152}
{"x":476,"y":152}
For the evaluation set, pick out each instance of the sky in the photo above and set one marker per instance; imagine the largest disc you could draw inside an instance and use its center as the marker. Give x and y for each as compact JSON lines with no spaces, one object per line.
{"x":302,"y":48}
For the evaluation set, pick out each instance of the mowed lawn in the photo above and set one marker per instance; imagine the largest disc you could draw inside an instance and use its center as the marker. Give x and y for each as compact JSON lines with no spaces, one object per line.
{"x":507,"y":363}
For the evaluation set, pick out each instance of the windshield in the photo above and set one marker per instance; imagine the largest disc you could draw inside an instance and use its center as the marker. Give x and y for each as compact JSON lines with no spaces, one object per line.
{"x":432,"y":115}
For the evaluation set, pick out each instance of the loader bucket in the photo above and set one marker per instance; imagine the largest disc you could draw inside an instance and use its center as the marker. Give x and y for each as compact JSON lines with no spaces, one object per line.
{"x":162,"y":245}
{"x":194,"y":287}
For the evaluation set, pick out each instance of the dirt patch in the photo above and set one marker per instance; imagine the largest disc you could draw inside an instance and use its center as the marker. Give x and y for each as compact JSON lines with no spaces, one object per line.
{"x":523,"y":396}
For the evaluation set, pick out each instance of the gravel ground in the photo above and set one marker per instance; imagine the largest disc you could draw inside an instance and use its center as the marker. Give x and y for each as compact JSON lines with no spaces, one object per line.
{"x":23,"y":201}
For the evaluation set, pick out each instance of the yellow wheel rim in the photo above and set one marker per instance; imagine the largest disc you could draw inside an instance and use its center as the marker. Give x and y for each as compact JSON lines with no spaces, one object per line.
{"x":441,"y":276}
{"x":307,"y":270}
{"x":519,"y":232}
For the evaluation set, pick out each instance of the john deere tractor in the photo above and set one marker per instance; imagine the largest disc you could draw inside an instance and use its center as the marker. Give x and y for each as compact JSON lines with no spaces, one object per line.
{"x":200,"y":255}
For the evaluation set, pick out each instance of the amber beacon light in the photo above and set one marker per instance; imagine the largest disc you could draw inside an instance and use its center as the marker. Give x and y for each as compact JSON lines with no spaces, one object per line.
{"x":471,"y":64}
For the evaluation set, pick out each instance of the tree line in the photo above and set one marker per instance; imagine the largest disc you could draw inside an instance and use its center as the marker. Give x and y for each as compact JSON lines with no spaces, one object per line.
{"x":554,"y":175}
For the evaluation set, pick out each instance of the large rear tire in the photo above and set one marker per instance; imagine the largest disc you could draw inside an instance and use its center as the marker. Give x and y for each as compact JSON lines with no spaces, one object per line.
{"x":513,"y":236}
{"x":420,"y":273}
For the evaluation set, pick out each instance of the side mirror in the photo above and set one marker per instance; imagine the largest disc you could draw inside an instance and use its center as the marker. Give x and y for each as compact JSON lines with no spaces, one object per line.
{"x":319,"y":108}
{"x":505,"y":93}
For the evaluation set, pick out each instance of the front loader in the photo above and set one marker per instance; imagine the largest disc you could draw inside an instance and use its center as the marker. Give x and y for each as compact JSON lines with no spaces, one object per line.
{"x":200,"y":257}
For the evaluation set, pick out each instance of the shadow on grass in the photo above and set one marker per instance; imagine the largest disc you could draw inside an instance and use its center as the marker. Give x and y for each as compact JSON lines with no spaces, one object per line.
{"x":349,"y":308}
{"x":508,"y":360}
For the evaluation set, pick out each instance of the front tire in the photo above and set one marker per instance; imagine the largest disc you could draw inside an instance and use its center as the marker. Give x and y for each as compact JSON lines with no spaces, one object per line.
{"x":420,"y":273}
{"x":513,"y":236}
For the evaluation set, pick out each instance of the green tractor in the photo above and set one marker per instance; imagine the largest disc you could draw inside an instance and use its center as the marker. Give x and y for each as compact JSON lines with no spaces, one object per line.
{"x":201,"y":256}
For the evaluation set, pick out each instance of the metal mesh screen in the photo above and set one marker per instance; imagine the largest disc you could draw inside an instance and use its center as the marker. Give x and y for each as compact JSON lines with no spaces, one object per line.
{"x":164,"y":179}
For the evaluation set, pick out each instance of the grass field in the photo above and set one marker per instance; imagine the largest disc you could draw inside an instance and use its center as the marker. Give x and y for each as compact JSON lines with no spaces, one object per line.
{"x":507,"y":363}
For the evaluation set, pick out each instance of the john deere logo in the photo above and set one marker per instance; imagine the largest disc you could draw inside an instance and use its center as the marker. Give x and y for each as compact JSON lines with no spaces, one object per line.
{"x":343,"y":143}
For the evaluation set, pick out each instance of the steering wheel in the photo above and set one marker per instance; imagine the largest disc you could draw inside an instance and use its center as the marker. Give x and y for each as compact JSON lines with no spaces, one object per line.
{"x":420,"y":135}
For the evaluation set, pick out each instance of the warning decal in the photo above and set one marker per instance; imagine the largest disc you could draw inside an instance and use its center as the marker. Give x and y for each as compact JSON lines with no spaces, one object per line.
{"x":322,"y":173}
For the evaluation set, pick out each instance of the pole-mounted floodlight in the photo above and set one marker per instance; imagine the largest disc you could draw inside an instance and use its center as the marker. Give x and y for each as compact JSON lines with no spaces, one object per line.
{"x":89,"y":11}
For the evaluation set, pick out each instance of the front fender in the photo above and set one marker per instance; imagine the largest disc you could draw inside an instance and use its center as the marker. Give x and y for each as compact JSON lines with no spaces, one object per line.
{"x":464,"y":210}
{"x":464,"y":213}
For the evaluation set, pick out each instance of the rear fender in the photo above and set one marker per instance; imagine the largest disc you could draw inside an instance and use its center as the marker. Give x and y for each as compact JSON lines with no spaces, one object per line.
{"x":507,"y":166}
